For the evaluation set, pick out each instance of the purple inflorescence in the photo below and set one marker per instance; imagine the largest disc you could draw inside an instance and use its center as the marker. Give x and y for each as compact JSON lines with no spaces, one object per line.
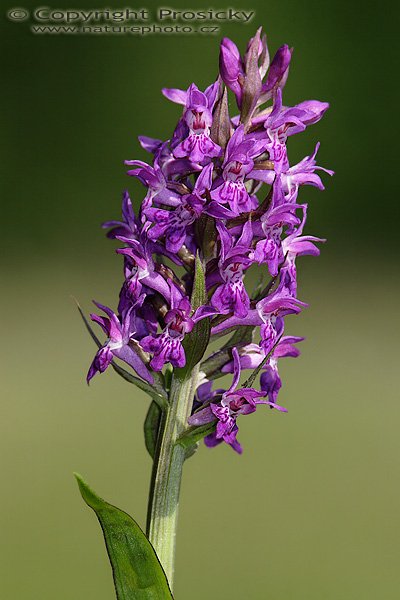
{"x":221,"y":190}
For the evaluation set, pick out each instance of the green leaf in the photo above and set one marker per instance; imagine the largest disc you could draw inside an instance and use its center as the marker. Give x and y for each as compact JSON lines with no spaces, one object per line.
{"x":194,"y":434}
{"x":212,"y":365}
{"x":199,"y":292}
{"x":191,"y":450}
{"x":137,"y":572}
{"x":196,"y":342}
{"x":152,"y":427}
{"x":206,"y":233}
{"x":156,"y":391}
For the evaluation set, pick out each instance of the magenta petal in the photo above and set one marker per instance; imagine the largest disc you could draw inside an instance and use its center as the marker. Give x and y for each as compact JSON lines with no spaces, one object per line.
{"x":203,"y":416}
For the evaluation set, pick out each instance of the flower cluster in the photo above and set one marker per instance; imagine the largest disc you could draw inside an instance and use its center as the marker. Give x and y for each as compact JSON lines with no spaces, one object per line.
{"x":221,"y":190}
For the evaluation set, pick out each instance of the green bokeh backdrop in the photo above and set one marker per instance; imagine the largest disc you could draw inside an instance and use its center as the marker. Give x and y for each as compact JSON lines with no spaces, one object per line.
{"x":310,"y":511}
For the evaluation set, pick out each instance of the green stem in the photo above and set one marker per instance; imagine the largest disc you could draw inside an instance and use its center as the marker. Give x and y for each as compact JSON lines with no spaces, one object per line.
{"x":167,"y":473}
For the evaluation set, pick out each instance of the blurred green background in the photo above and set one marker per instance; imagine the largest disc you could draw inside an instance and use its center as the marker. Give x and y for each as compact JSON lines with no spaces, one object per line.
{"x":311,"y":509}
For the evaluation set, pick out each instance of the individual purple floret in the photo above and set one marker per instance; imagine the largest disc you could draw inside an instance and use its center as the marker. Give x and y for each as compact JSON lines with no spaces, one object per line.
{"x":239,"y":155}
{"x":231,"y":295}
{"x":129,"y":227}
{"x":234,"y":402}
{"x":271,"y":311}
{"x":222,"y":204}
{"x":282,"y":122}
{"x":301,"y":174}
{"x":253,"y":355}
{"x":176,"y":224}
{"x":179,"y":320}
{"x":295,"y":245}
{"x":269,"y":249}
{"x":120,"y":344}
{"x":197,"y":145}
{"x":154,"y":179}
{"x":167,"y":346}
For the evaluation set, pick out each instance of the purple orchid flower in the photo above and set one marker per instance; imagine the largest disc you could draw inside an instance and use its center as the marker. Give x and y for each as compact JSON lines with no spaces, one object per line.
{"x":295,"y":245}
{"x":121,"y":335}
{"x":205,"y":394}
{"x":234,"y":402}
{"x":141,"y":267}
{"x":270,"y":381}
{"x":301,"y":174}
{"x":152,"y":145}
{"x":130,"y":231}
{"x":231,"y":295}
{"x":294,"y":118}
{"x":130,"y":224}
{"x":167,"y":346}
{"x":269,"y":249}
{"x":238,"y":163}
{"x":304,"y":174}
{"x":198,"y":145}
{"x":171,"y":167}
{"x":175,"y":224}
{"x":154,"y":179}
{"x":271,"y":311}
{"x":252,"y":355}
{"x":268,"y":315}
{"x":280,"y":123}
